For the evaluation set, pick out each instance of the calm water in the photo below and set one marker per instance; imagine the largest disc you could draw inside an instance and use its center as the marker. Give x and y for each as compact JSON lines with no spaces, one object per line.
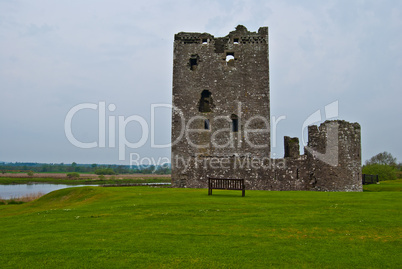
{"x":10,"y":191}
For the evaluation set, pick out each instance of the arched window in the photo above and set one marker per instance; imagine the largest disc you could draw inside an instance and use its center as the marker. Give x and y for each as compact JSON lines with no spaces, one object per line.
{"x":205,"y":101}
{"x":230,"y":59}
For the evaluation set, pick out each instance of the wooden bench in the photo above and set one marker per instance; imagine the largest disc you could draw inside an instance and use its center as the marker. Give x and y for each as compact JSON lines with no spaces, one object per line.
{"x":226,"y":184}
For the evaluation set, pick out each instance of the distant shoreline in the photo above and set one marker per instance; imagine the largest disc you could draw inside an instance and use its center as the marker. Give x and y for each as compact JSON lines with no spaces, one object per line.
{"x":84,"y":179}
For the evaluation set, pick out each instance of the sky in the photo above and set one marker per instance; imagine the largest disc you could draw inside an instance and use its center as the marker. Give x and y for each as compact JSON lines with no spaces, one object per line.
{"x":70,"y":69}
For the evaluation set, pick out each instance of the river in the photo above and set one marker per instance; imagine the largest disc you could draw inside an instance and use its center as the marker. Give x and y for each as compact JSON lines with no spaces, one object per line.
{"x":12,"y":191}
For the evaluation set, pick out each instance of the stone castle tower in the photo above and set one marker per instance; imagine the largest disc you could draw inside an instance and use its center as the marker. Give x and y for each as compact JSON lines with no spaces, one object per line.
{"x":221,"y":120}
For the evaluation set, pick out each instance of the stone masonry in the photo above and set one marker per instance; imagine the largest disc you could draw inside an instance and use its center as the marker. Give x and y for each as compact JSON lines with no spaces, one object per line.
{"x":221,"y":122}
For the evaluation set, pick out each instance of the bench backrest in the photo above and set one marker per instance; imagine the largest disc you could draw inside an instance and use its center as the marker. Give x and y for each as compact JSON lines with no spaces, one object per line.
{"x":226,"y":183}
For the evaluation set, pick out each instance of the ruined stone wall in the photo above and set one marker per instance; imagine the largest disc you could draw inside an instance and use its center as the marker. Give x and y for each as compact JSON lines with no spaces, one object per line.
{"x":332,"y":160}
{"x":221,"y":122}
{"x":291,"y":146}
{"x":334,"y":156}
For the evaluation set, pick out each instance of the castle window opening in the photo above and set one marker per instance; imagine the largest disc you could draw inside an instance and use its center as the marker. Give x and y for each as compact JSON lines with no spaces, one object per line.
{"x":235,"y":123}
{"x":235,"y":41}
{"x":205,"y":41}
{"x":193,"y":62}
{"x":206,"y":124}
{"x":205,"y":101}
{"x":229,"y":56}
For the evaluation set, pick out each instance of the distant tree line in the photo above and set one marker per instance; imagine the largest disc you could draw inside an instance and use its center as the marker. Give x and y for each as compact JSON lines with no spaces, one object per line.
{"x":99,"y":169}
{"x":384,"y":165}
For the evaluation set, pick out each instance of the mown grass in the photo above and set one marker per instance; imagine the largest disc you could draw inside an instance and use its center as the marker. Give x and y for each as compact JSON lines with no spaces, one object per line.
{"x":144,"y":227}
{"x":12,"y":180}
{"x":390,"y":185}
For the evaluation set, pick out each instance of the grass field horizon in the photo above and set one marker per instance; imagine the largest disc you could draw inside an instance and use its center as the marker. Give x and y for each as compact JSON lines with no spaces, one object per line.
{"x":169,"y":228}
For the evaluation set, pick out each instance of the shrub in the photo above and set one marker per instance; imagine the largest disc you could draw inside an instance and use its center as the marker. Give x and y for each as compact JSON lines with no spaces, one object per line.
{"x":14,"y":202}
{"x":384,"y":172}
{"x":73,"y":175}
{"x":101,"y":177}
{"x":104,"y":171}
{"x":30,"y":173}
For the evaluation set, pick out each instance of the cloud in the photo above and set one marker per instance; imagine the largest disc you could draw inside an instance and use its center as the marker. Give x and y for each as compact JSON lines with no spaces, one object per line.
{"x":34,"y":30}
{"x":57,"y":54}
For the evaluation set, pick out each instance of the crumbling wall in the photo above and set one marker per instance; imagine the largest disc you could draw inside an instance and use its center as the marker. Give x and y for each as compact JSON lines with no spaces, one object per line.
{"x":291,"y":147}
{"x":221,"y":122}
{"x":334,"y":156}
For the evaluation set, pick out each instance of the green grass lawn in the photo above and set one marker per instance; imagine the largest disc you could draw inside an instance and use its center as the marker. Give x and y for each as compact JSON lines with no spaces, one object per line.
{"x":391,"y":185}
{"x":145,"y":227}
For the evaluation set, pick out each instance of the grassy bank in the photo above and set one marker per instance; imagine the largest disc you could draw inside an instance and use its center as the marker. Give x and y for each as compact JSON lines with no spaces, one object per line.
{"x":391,"y":185}
{"x":21,"y":199}
{"x":174,"y":228}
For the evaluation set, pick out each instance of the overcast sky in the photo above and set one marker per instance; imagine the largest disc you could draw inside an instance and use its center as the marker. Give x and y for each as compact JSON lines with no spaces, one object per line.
{"x":55,"y":55}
